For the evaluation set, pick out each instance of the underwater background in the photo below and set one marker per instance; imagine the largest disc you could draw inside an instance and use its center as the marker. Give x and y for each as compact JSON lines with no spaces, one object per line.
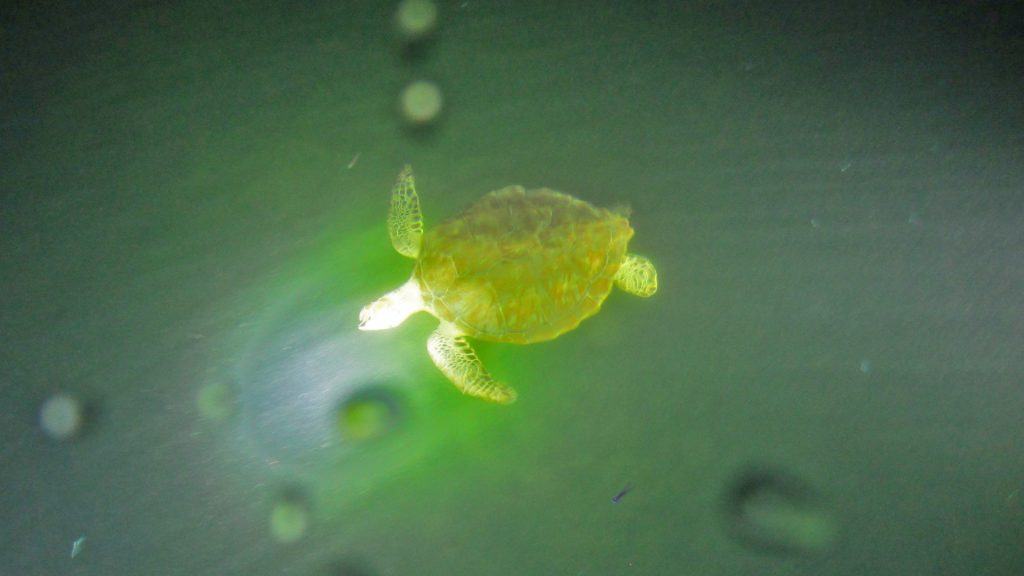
{"x":193,"y":202}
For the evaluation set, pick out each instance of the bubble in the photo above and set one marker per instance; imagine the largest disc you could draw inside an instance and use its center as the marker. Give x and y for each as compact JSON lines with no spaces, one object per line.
{"x":367,"y":414}
{"x":775,"y":512}
{"x":421,"y":102}
{"x":61,"y":416}
{"x":216,"y":401}
{"x":288,"y":520}
{"x":415,"y":19}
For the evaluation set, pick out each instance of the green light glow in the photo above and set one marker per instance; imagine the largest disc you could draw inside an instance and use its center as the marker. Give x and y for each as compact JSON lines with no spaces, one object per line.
{"x":302,"y":368}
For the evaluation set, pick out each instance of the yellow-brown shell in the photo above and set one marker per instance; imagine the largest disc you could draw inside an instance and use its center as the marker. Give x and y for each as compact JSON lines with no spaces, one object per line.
{"x":521,"y":266}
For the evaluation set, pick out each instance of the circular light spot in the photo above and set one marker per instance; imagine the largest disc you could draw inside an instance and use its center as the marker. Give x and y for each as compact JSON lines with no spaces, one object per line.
{"x":61,"y":416}
{"x":421,"y":102}
{"x":367,"y":414}
{"x":415,"y":19}
{"x":216,"y":401}
{"x":776,"y":512}
{"x":288,"y":521}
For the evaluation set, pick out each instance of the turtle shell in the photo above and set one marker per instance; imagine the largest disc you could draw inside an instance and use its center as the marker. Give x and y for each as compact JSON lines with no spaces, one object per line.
{"x":521,"y":265}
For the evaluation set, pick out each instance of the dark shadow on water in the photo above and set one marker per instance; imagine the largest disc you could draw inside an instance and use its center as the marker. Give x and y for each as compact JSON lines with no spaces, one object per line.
{"x":347,"y":567}
{"x":773,"y":511}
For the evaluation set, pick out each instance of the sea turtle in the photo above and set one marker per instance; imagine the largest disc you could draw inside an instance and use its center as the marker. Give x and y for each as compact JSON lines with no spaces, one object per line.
{"x":517,"y":266}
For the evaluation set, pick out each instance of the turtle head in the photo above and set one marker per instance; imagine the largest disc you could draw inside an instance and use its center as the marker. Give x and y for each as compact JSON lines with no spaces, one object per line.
{"x":381,"y":314}
{"x":391,"y":309}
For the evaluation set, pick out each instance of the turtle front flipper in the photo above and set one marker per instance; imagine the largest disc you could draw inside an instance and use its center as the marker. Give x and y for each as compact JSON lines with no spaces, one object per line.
{"x":459,"y":362}
{"x":637,"y":276}
{"x":405,"y":221}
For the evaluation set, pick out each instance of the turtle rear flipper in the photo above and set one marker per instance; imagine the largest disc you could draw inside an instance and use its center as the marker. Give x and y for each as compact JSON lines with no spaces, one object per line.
{"x":405,"y":221}
{"x":637,"y":276}
{"x":459,"y":362}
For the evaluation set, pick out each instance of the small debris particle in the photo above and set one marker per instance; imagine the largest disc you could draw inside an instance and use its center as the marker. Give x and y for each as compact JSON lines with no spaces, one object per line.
{"x":623,"y":492}
{"x":76,"y":546}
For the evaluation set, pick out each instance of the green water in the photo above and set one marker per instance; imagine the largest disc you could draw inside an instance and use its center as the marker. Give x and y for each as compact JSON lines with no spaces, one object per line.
{"x":193,"y":212}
